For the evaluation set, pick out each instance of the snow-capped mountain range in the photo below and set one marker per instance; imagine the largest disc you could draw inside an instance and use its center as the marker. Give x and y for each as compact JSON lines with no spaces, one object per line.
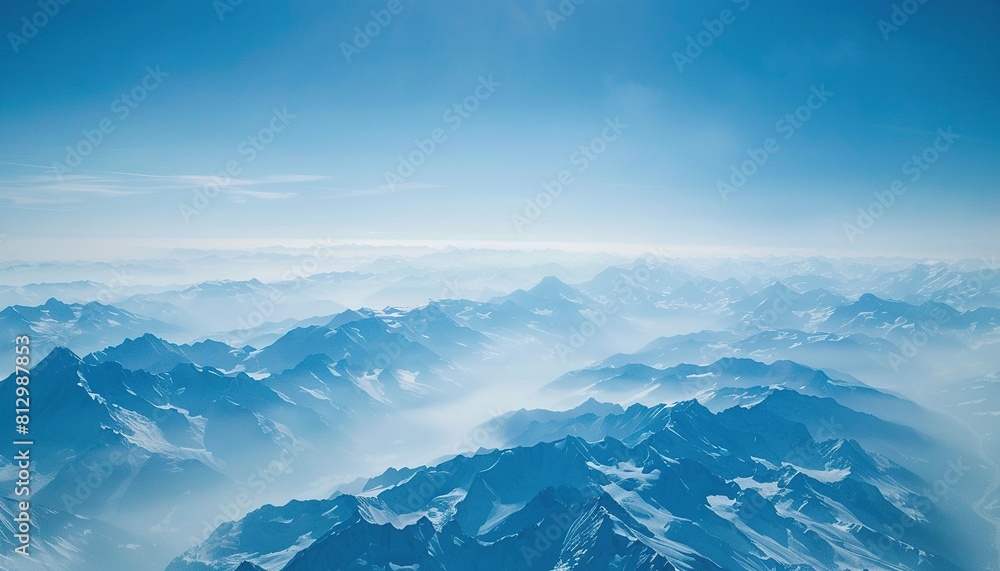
{"x":668,"y":487}
{"x":790,"y":414}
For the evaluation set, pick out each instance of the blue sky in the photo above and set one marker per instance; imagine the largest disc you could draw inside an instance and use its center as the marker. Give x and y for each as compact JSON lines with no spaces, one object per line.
{"x":335,"y":125}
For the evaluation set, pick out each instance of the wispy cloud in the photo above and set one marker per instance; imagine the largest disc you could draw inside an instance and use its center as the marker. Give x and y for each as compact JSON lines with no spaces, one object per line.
{"x":241,"y":195}
{"x":53,"y":190}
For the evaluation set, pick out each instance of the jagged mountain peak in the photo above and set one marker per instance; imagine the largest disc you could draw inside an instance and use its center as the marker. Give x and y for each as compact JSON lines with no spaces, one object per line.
{"x":348,"y":316}
{"x":59,"y":358}
{"x":553,"y":287}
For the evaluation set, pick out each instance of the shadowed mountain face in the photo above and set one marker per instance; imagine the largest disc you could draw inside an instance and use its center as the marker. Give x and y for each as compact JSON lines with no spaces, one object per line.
{"x":82,"y":327}
{"x":154,"y":355}
{"x":140,"y":449}
{"x":683,"y":488}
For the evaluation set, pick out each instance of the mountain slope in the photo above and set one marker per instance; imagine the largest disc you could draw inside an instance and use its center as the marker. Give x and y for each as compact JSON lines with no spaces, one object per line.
{"x":154,"y":355}
{"x":80,"y":327}
{"x":701,"y":491}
